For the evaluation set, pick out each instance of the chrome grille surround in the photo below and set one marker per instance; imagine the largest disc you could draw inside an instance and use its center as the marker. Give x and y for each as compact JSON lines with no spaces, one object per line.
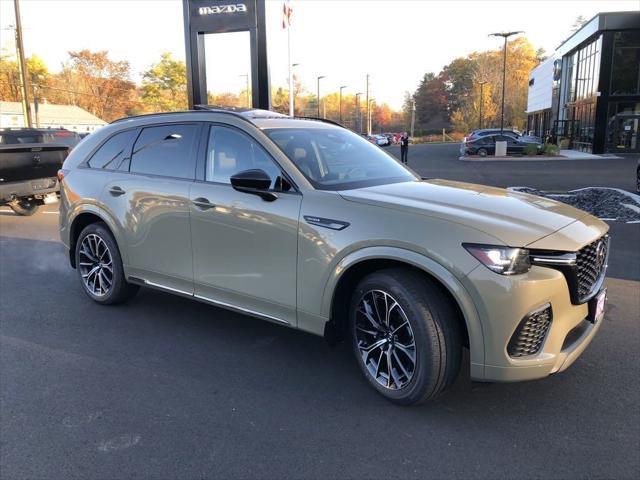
{"x":584,"y":270}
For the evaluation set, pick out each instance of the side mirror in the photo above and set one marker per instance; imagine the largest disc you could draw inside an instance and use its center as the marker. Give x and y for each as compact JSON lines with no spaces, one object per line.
{"x":255,"y":182}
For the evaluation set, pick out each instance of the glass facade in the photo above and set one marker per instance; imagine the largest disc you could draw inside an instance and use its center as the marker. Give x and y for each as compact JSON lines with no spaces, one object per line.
{"x":625,"y":70}
{"x":579,"y":93}
{"x":623,"y":127}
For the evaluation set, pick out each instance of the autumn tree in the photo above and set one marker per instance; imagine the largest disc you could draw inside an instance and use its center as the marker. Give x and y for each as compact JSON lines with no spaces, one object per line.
{"x":10,"y":76}
{"x":96,"y":83}
{"x":164,"y":85}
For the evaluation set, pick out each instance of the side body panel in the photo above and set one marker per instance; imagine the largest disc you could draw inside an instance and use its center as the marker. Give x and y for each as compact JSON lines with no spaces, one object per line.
{"x":245,"y":250}
{"x":153,"y":215}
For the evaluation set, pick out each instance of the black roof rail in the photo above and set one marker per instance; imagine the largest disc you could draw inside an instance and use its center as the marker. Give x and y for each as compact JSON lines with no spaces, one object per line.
{"x":196,"y":109}
{"x":324,"y":120}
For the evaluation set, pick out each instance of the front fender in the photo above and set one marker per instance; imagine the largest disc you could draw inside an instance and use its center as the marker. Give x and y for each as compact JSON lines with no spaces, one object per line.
{"x":433,"y":268}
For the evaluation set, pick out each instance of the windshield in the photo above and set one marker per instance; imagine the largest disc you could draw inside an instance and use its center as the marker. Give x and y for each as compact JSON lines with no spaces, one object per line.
{"x":338,"y":159}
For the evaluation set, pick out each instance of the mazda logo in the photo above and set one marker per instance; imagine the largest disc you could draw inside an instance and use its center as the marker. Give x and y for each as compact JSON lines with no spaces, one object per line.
{"x":36,"y":158}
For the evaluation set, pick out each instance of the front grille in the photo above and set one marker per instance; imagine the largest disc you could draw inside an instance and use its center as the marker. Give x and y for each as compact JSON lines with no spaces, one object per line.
{"x":530,"y":334}
{"x":591,"y":263}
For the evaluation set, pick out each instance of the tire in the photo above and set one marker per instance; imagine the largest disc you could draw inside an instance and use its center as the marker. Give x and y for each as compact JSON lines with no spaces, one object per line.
{"x":99,"y":266}
{"x":482,"y":152}
{"x":432,"y":323}
{"x":24,"y":207}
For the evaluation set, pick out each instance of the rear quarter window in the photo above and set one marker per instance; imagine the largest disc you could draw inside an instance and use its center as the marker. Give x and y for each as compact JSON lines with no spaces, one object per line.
{"x":114,"y":153}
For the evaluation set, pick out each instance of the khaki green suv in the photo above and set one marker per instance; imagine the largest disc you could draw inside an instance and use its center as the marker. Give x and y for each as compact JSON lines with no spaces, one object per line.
{"x":306,"y":224}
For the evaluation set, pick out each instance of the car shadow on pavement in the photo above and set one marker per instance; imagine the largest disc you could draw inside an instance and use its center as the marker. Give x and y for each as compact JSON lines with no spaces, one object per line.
{"x":222,"y":350}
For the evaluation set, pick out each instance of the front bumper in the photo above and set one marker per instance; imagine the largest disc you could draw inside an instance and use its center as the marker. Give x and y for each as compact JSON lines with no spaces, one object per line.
{"x":504,"y":301}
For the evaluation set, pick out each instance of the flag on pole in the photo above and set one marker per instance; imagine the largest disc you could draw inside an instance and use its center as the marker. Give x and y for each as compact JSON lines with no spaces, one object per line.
{"x":286,"y":15}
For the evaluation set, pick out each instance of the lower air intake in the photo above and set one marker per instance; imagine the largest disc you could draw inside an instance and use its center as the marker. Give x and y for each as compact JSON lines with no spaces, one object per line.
{"x":530,"y":334}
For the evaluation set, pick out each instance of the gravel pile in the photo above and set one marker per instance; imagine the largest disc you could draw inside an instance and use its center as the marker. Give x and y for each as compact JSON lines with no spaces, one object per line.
{"x":605,"y":203}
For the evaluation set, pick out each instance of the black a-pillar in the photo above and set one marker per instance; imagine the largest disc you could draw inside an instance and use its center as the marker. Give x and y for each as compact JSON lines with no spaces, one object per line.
{"x":204,"y":17}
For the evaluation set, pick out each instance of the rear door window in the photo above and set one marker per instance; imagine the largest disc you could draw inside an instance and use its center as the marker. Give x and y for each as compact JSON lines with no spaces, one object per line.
{"x":113,"y":153}
{"x":166,"y":150}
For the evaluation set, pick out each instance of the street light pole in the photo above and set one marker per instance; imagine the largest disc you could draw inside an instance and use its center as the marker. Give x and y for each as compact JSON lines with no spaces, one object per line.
{"x":341,"y":88}
{"x":504,"y":35}
{"x":246,"y":76}
{"x":368,"y":108}
{"x":481,"y":100}
{"x":319,"y":78}
{"x":357,"y":113}
{"x":413,"y":115}
{"x":293,"y":89}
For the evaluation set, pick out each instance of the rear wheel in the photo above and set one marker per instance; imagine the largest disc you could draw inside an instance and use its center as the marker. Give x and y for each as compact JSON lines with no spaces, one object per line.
{"x":405,"y":335}
{"x":24,"y":207}
{"x":100,"y":266}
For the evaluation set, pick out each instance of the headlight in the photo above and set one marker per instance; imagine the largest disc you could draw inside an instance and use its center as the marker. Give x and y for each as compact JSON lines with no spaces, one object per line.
{"x":502,"y":260}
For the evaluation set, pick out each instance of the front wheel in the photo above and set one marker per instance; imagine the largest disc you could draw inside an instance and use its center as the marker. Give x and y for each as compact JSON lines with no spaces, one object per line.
{"x":24,"y":207}
{"x":405,"y":335}
{"x":100,"y":266}
{"x":482,"y":152}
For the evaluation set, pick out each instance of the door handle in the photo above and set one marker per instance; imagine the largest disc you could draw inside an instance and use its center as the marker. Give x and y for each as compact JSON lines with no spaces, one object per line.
{"x":203,"y":203}
{"x":116,"y":191}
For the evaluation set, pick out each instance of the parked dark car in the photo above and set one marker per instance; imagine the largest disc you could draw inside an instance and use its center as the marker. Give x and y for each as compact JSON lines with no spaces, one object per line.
{"x":29,"y":161}
{"x":482,"y":132}
{"x":486,"y":145}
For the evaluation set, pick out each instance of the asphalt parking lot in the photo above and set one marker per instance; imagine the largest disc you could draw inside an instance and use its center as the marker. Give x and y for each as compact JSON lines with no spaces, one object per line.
{"x":164,"y":387}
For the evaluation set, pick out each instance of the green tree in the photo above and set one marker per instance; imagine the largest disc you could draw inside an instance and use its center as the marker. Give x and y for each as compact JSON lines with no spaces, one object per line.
{"x":164,"y":85}
{"x":432,"y":103}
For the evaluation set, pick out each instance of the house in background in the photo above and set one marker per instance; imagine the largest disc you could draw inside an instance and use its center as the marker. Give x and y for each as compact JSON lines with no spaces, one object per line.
{"x":588,"y":91}
{"x":70,"y":117}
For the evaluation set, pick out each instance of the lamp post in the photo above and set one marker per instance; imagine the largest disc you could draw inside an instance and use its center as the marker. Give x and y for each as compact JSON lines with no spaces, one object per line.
{"x":504,"y":35}
{"x":292,"y":88}
{"x":481,"y":100}
{"x":340,"y":104}
{"x":319,"y":78}
{"x":246,"y":76}
{"x":357,"y":112}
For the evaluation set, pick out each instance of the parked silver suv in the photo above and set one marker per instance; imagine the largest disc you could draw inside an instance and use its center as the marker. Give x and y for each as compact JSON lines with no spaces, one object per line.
{"x":306,"y":224}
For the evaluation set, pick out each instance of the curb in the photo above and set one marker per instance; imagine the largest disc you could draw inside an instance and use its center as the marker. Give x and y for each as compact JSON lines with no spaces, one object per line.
{"x":531,"y":159}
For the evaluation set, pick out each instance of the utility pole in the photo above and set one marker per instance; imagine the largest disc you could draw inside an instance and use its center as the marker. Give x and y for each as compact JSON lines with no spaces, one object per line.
{"x":22,"y":66}
{"x":341,"y":88}
{"x":413,"y":115}
{"x":35,"y":100}
{"x":504,"y":35}
{"x":368,"y":108}
{"x":481,"y":100}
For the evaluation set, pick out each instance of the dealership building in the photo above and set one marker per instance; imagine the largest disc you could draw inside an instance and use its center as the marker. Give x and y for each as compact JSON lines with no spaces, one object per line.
{"x":587,"y":94}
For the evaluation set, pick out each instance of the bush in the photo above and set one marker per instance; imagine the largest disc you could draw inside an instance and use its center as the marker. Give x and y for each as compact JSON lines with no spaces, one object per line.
{"x":530,"y":149}
{"x":551,"y":149}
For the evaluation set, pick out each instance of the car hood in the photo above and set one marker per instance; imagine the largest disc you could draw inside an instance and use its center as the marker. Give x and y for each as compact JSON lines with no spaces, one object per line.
{"x":514,"y":218}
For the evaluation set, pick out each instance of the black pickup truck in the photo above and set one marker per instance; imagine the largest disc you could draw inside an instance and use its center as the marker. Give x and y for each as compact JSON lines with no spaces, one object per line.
{"x":29,"y":162}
